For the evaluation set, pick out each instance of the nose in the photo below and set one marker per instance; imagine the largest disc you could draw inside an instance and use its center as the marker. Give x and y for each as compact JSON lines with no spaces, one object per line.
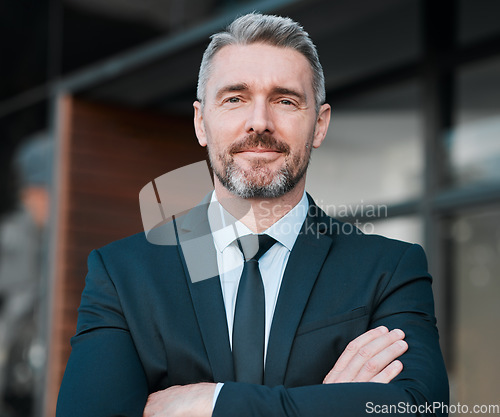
{"x":260,"y":118}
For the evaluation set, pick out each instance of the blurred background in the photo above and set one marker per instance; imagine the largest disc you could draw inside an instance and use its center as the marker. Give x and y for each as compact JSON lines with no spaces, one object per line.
{"x":96,"y":101}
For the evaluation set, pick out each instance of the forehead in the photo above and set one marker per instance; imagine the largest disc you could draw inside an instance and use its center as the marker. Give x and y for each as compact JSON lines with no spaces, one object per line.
{"x":260,"y":66}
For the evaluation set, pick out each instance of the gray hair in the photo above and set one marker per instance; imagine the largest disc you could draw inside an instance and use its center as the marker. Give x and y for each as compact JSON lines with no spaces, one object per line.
{"x":272,"y":30}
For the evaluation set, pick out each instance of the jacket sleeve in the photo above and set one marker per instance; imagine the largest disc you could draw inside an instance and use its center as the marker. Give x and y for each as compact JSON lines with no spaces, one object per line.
{"x":404,"y":300}
{"x":104,"y":376}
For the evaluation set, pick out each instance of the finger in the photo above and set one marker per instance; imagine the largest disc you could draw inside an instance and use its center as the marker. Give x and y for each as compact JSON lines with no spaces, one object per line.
{"x":367,"y":352}
{"x":150,"y":408}
{"x":156,"y":400}
{"x":381,"y":360}
{"x":390,"y":372}
{"x":351,"y":350}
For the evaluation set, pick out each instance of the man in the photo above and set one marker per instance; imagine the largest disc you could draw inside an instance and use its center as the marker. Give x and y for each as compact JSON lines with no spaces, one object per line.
{"x":321,"y":333}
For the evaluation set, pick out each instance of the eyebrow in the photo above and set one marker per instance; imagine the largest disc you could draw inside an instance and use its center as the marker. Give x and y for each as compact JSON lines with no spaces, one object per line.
{"x":289,"y":92}
{"x":230,"y":89}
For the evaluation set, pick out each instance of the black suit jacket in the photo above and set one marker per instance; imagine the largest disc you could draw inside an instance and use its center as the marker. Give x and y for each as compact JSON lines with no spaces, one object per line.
{"x":143,"y":325}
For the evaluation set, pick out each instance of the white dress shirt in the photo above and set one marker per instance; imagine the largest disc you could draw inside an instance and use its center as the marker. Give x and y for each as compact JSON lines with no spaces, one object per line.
{"x":225,"y":229}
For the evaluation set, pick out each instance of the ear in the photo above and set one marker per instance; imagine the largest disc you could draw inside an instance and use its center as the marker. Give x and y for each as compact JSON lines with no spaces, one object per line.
{"x":199,"y":125}
{"x":322,"y":123}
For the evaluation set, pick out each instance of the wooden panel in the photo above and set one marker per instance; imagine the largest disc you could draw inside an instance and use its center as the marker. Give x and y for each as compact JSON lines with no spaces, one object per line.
{"x":106,"y":155}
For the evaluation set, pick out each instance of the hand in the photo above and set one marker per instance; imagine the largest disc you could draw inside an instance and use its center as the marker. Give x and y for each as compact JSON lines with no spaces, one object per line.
{"x":371,"y":357}
{"x":193,"y":400}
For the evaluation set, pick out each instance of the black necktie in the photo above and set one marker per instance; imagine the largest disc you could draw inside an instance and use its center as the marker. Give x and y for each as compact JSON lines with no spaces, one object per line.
{"x":250,"y":313}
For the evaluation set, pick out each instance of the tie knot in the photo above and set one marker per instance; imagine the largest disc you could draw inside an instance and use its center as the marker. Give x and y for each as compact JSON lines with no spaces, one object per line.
{"x":254,"y":246}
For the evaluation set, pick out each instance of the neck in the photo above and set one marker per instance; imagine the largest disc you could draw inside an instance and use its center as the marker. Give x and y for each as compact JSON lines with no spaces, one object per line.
{"x":258,"y":214}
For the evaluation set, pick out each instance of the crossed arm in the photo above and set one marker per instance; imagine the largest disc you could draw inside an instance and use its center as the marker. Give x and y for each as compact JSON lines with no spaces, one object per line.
{"x":97,"y":383}
{"x":371,"y":357}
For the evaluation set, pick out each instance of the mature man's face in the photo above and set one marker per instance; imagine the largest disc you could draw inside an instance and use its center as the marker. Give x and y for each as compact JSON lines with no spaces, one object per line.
{"x":259,"y":119}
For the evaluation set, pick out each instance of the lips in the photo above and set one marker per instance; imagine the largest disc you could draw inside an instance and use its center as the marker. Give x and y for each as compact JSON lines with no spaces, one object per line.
{"x":258,"y":150}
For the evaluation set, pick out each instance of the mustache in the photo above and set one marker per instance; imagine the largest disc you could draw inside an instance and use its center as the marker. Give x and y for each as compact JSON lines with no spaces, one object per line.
{"x":259,"y":140}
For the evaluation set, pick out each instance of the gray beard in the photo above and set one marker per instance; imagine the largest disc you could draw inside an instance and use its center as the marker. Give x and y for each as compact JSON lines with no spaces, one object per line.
{"x":235,"y":181}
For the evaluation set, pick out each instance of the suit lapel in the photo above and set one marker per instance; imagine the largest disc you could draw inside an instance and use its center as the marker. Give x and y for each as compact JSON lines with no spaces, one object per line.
{"x":199,"y":258}
{"x":304,"y":264}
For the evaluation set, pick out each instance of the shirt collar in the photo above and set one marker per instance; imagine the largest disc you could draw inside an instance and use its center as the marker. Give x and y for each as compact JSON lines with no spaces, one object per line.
{"x":225,"y":228}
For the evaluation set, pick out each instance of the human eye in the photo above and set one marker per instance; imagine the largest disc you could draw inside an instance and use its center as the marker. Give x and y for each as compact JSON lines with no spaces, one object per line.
{"x":233,"y":100}
{"x":287,"y":102}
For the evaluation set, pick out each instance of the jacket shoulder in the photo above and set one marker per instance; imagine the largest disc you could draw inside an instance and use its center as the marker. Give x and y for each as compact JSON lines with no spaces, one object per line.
{"x":351,"y":239}
{"x":157,"y":240}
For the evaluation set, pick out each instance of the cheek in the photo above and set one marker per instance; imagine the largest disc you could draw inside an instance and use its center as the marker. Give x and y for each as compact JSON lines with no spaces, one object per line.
{"x":298,"y":138}
{"x":296,"y":127}
{"x":224,"y":132}
{"x":217,"y":143}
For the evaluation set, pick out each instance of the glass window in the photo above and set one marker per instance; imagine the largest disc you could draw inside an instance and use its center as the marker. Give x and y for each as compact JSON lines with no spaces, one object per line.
{"x":477,"y":19}
{"x":406,"y":228}
{"x":373,"y":151}
{"x":359,"y":43}
{"x":476,"y":263}
{"x":474,"y":144}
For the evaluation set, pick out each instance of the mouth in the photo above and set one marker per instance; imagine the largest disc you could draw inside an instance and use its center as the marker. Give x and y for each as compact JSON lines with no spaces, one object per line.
{"x":258,"y":151}
{"x":259,"y":154}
